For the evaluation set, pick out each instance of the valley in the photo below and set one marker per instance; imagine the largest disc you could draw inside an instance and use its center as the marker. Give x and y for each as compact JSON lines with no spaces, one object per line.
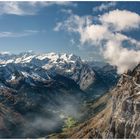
{"x":46,"y":90}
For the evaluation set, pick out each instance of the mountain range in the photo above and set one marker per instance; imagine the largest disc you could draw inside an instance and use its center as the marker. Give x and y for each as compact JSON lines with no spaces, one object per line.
{"x":46,"y":89}
{"x":45,"y":66}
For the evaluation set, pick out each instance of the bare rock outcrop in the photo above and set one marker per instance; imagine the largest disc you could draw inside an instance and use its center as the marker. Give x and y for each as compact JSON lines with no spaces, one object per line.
{"x":125,"y":118}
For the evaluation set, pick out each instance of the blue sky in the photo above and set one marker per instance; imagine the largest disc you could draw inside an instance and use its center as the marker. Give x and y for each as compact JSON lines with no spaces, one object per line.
{"x":42,"y":26}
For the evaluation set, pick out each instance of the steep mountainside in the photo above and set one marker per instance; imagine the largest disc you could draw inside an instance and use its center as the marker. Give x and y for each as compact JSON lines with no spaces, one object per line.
{"x":125,"y":120}
{"x":11,"y":122}
{"x":121,"y":116}
{"x":106,"y":77}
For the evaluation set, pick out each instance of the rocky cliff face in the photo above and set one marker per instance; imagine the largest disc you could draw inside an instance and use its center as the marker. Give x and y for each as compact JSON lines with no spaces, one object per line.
{"x":121,"y":116}
{"x":125,"y":118}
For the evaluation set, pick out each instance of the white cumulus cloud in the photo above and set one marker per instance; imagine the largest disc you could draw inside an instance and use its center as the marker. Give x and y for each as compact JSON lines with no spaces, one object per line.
{"x":121,"y":57}
{"x":94,"y":34}
{"x":121,"y":20}
{"x":89,"y":33}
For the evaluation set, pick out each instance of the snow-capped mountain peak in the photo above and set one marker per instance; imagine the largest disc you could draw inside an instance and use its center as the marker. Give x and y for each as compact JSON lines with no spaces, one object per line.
{"x":68,"y":65}
{"x":28,"y":57}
